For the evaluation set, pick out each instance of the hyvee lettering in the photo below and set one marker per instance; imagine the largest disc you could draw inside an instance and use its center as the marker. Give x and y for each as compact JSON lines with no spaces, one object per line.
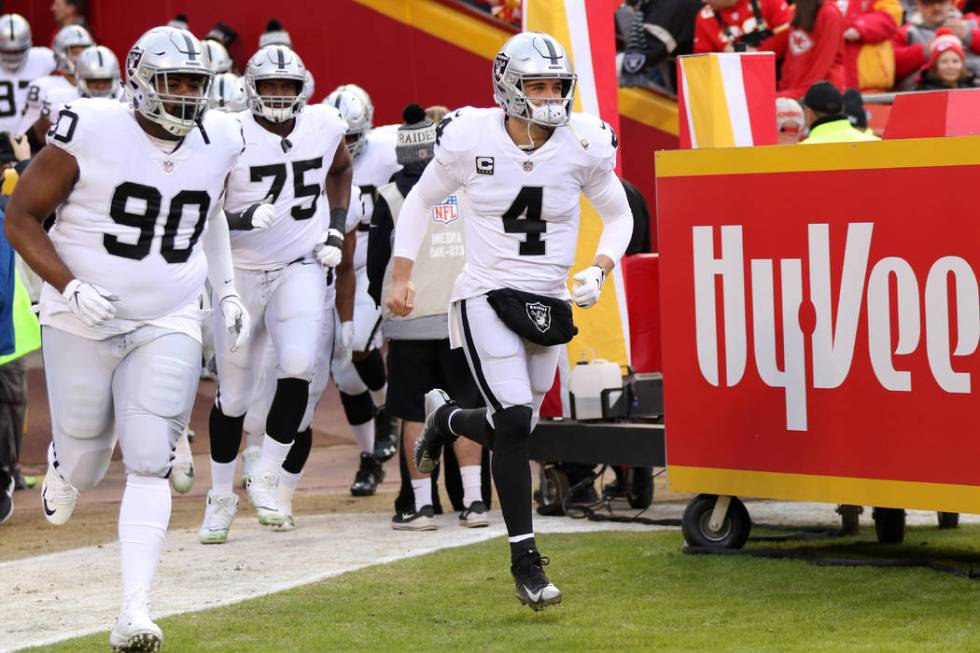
{"x":946,"y":295}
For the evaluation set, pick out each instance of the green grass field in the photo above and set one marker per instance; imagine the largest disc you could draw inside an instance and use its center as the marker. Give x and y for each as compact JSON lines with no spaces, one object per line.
{"x":623,"y":591}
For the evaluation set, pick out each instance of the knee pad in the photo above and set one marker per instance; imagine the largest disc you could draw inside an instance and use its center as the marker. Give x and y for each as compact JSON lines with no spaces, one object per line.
{"x":347,"y":379}
{"x":359,"y":408}
{"x":371,"y":368}
{"x":512,"y":429}
{"x":297,"y":362}
{"x":231,"y":406}
{"x":148,"y":443}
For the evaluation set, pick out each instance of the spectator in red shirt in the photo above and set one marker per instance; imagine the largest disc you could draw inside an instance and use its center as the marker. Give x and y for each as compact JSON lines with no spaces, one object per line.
{"x":946,"y":67}
{"x":816,"y":48}
{"x":722,"y":23}
{"x":868,"y":22}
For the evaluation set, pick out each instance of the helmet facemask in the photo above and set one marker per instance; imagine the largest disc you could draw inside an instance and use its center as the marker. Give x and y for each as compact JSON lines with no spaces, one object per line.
{"x":178,"y":114}
{"x":278,"y":108}
{"x":355,"y":140}
{"x":12,"y":60}
{"x":547,"y":112}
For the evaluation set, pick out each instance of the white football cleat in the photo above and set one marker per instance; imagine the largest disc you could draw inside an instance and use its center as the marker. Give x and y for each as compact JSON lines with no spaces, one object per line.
{"x":134,"y":630}
{"x":250,"y":463}
{"x":262,"y":489}
{"x":182,"y":471}
{"x":218,"y":515}
{"x":58,"y":497}
{"x":285,"y":496}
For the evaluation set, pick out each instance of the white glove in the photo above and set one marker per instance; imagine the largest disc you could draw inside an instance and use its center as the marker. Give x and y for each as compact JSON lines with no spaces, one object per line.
{"x":90,"y":303}
{"x":264,"y":215}
{"x":330,"y":249}
{"x":346,"y":341}
{"x":236,"y":318}
{"x":588,"y":285}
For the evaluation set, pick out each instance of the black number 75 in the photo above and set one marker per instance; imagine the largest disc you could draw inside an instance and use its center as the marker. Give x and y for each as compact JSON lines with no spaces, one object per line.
{"x":301,"y":189}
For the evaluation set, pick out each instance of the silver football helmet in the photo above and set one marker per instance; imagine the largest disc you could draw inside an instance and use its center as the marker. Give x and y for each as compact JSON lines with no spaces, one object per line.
{"x":349,"y":101}
{"x":159,"y":53}
{"x":275,"y":62}
{"x":15,"y":41}
{"x":97,"y":63}
{"x":218,"y":56}
{"x":228,"y":93}
{"x":527,"y":56}
{"x":309,"y":86}
{"x":65,"y":41}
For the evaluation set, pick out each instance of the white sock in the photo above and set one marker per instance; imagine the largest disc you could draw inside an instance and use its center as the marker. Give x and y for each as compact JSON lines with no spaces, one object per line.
{"x":143,"y":517}
{"x":472,"y":487}
{"x":254,"y":439}
{"x":379,"y":396}
{"x":364,"y":434}
{"x":273,"y":453}
{"x":423,"y":492}
{"x":222,"y":477}
{"x":289,"y":479}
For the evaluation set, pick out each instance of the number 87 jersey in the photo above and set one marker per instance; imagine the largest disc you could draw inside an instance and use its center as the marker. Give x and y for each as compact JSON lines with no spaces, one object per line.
{"x":292,"y":171}
{"x":134,"y":220}
{"x":520,"y":209}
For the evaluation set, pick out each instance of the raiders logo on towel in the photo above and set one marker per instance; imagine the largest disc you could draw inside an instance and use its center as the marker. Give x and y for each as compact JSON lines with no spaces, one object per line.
{"x":540,"y":315}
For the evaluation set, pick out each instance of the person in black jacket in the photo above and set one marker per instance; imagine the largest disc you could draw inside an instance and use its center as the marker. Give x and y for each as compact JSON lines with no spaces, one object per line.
{"x":649,"y":34}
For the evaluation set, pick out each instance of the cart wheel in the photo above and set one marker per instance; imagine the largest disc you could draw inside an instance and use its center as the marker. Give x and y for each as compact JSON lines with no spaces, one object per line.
{"x":948,"y":519}
{"x":554,"y":487}
{"x":697,"y":529}
{"x":850,"y":519}
{"x":889,"y":525}
{"x":640,"y":493}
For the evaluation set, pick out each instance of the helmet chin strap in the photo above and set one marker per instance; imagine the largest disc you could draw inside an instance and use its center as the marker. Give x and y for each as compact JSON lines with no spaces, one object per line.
{"x":529,"y":147}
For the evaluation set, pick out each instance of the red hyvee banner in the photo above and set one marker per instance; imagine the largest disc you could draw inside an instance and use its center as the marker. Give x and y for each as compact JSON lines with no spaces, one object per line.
{"x":821,"y":322}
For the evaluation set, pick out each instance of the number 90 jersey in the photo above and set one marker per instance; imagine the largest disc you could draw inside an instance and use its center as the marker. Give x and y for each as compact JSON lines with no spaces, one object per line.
{"x":294,"y":175}
{"x":134,"y":219}
{"x":521,"y":209}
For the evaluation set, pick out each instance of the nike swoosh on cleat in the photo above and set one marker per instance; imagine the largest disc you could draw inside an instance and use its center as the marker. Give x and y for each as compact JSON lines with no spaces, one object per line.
{"x":534,"y":597}
{"x":44,"y":504}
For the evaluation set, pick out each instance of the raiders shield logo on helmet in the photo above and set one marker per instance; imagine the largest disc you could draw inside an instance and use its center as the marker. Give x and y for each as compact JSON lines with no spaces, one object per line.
{"x":540,"y":315}
{"x":499,"y":66}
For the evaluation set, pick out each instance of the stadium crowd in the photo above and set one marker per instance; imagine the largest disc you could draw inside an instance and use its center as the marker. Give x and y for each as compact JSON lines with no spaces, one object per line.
{"x":872,"y":46}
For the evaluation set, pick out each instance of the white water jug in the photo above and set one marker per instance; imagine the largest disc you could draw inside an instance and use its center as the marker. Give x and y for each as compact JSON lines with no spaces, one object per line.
{"x":586,"y":386}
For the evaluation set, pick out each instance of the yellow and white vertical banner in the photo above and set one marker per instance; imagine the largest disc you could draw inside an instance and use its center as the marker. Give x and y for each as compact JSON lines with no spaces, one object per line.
{"x":727,"y":100}
{"x":585,"y":28}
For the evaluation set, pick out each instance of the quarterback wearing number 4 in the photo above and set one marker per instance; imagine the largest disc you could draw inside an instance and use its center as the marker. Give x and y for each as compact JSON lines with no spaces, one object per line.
{"x":137,"y":190}
{"x":523,"y":167}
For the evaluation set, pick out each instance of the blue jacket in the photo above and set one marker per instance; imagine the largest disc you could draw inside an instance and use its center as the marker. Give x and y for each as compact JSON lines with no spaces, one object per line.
{"x":7,"y":343}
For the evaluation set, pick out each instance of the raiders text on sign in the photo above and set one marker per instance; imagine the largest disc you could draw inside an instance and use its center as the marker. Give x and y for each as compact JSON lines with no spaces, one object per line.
{"x":833,"y":340}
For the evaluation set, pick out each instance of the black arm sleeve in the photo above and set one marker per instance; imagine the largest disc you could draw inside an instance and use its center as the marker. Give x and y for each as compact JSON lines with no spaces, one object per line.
{"x":379,"y":247}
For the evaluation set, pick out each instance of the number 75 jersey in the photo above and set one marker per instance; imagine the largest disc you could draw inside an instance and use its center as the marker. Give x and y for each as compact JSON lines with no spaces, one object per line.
{"x":521,"y":209}
{"x":291,"y":172}
{"x":133,"y":222}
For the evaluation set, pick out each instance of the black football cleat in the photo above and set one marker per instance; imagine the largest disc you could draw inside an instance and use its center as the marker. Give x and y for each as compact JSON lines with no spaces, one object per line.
{"x":533,"y":587}
{"x":368,"y":476}
{"x":428,"y":448}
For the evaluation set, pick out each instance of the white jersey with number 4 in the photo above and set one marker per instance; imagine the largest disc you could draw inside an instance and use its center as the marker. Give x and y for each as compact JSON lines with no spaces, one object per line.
{"x":134,"y":220}
{"x":14,"y":86}
{"x":45,"y":97}
{"x":294,"y":175}
{"x":520,"y":210}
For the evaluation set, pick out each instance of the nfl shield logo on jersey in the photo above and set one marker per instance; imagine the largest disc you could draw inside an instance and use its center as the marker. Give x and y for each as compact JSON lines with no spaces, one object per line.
{"x":540,"y":315}
{"x":446,"y":212}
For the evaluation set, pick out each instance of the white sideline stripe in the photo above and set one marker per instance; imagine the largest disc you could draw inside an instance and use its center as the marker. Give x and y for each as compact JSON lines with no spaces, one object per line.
{"x":76,"y":592}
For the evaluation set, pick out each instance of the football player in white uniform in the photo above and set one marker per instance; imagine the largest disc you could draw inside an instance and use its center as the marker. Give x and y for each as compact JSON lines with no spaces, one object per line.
{"x":97,"y":73}
{"x":361,"y":377}
{"x":293,"y":156}
{"x":523,"y":167}
{"x":139,"y":227}
{"x":20,"y":63}
{"x":218,"y":56}
{"x":46,"y":95}
{"x":228,"y":93}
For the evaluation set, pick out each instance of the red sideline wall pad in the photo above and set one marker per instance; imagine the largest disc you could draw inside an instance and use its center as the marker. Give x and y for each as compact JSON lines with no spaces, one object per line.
{"x":821,"y":341}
